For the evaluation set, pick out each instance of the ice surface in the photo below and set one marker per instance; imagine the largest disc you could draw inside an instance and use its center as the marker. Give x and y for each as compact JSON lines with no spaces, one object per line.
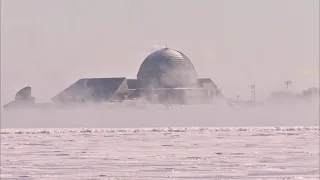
{"x":161,"y":153}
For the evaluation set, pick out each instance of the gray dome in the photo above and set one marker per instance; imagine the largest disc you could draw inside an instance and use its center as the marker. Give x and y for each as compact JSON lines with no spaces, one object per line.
{"x":167,"y":68}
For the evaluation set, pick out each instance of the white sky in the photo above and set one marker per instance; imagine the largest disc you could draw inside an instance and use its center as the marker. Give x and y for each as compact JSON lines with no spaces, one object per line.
{"x":50,"y":44}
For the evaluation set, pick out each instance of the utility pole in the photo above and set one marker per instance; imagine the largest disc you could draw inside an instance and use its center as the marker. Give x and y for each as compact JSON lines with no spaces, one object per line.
{"x":253,"y":91}
{"x":287,"y":83}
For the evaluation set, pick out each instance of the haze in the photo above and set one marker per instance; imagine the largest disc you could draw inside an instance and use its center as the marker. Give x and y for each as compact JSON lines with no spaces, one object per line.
{"x":51,"y":44}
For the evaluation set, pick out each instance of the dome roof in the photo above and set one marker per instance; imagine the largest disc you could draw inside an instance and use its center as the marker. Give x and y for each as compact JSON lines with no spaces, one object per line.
{"x":167,"y":68}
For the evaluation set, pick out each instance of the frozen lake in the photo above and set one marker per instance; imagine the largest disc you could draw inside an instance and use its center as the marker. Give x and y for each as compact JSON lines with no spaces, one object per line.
{"x":161,"y":153}
{"x":275,"y":142}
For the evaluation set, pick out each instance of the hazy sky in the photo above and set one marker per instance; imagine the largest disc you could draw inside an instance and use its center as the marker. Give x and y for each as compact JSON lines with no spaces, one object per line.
{"x":49,"y":44}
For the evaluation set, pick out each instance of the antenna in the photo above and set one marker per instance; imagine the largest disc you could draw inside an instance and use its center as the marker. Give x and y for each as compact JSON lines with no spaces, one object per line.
{"x":253,"y":91}
{"x":287,"y":83}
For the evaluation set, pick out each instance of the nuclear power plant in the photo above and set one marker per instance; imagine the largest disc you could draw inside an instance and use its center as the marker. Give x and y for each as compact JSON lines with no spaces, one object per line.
{"x":166,"y":76}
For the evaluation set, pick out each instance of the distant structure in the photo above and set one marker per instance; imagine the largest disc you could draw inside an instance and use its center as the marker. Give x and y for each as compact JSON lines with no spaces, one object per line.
{"x":311,"y":93}
{"x":253,"y":92}
{"x":166,"y":76}
{"x":22,"y":98}
{"x":287,"y":96}
{"x":287,"y":83}
{"x":281,"y":96}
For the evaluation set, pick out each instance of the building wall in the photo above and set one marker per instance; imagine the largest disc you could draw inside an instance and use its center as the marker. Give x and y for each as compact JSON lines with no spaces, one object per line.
{"x":177,"y":96}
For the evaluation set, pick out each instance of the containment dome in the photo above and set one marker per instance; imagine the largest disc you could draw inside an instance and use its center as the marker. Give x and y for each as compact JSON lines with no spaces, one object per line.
{"x":167,"y":68}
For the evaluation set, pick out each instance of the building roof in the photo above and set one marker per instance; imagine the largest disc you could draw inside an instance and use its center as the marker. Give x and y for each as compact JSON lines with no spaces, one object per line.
{"x":90,"y":89}
{"x":23,"y":94}
{"x":167,"y":68}
{"x":207,"y":83}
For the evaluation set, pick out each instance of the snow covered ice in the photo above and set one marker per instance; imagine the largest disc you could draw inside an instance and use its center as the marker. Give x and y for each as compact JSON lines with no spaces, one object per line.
{"x":160,"y":153}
